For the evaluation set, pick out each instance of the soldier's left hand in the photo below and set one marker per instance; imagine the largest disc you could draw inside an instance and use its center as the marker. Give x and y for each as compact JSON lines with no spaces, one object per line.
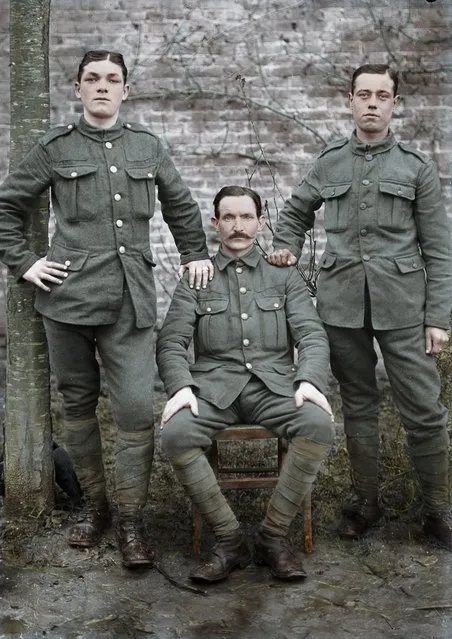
{"x":200,"y":272}
{"x":309,"y":393}
{"x":435,"y":340}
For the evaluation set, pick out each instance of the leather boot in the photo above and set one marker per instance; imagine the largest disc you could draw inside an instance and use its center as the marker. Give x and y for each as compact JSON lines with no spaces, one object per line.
{"x":132,"y":542}
{"x":363,"y":512}
{"x":229,"y":552}
{"x":438,"y":529}
{"x":275,"y":551}
{"x":93,"y":521}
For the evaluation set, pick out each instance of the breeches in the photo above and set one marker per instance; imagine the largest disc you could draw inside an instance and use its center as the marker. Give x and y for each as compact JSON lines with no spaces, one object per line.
{"x":127,"y":355}
{"x":413,"y":376}
{"x":256,"y":404}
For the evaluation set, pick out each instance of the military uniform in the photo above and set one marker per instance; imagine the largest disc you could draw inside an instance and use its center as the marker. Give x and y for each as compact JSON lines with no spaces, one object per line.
{"x":385,"y":273}
{"x":244,"y":326}
{"x":103,"y":184}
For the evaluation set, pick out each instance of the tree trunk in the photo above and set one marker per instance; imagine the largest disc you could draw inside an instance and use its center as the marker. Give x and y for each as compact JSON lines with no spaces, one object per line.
{"x":28,"y":460}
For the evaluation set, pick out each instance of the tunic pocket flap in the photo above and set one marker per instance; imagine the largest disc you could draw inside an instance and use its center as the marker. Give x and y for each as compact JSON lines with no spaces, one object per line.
{"x":406,"y":191}
{"x":141,"y":173}
{"x":147,"y":254}
{"x":327,"y":260}
{"x":334,"y":190}
{"x":212,"y":306}
{"x":75,"y":170}
{"x":74,"y":259}
{"x":270,"y":302}
{"x":410,"y":263}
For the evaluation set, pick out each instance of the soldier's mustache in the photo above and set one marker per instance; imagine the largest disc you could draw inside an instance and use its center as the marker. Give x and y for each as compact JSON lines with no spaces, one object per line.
{"x":242,"y":236}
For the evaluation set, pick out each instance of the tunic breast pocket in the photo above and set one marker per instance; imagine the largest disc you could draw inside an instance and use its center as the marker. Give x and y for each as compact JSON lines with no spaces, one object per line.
{"x":272,"y":321}
{"x":75,"y":191}
{"x":141,"y":190}
{"x":336,"y":207}
{"x":214,"y":325}
{"x":395,"y":205}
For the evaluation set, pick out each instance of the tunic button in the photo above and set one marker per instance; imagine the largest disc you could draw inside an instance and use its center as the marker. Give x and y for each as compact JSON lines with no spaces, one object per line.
{"x":67,"y":263}
{"x":109,"y":145}
{"x":246,"y":342}
{"x":70,"y":126}
{"x":369,"y":157}
{"x":74,"y":174}
{"x":244,"y":316}
{"x":366,"y":258}
{"x":117,"y":196}
{"x":239,"y":269}
{"x":366,"y":182}
{"x":150,"y":175}
{"x":333,"y":191}
{"x":276,"y":305}
{"x":119,"y":223}
{"x":113,"y":169}
{"x":414,"y":264}
{"x":208,"y":309}
{"x":362,"y":206}
{"x":122,"y":249}
{"x":399,"y":192}
{"x":242,"y":289}
{"x":363,"y":231}
{"x":128,"y":125}
{"x":249,"y":366}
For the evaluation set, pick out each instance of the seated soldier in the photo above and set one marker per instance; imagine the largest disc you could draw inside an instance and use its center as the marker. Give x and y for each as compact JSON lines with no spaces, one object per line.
{"x":244,"y":326}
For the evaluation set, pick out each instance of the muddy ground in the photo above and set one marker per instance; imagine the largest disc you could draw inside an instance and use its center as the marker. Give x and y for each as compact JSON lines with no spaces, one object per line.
{"x":392,"y":584}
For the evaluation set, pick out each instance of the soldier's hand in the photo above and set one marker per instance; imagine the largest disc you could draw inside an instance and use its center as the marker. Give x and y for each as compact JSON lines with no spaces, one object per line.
{"x":435,"y":340}
{"x":184,"y":398}
{"x":283,"y":257}
{"x":200,"y":272}
{"x":309,"y":393}
{"x":44,"y":271}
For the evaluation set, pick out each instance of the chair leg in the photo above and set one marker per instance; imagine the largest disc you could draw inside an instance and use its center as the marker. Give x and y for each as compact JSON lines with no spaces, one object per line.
{"x":196,"y":527}
{"x":307,"y":521}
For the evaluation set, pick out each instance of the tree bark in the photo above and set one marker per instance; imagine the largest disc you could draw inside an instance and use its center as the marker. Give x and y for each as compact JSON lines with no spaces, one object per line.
{"x":28,"y":460}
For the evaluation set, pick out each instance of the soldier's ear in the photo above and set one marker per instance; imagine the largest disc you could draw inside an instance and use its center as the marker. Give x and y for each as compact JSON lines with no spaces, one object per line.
{"x":261,"y":222}
{"x":214,"y":221}
{"x":125,"y":94}
{"x":77,"y":89}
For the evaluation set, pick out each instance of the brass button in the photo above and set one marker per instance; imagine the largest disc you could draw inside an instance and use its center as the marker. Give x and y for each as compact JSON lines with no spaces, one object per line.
{"x":117,"y":196}
{"x":363,"y":231}
{"x":109,"y":145}
{"x":362,"y":206}
{"x":113,"y":169}
{"x":119,"y":223}
{"x":246,"y":342}
{"x":366,"y":182}
{"x":74,"y":174}
{"x":276,"y":305}
{"x":122,"y":249}
{"x":67,"y":263}
{"x":249,"y":366}
{"x":239,"y":269}
{"x":244,"y":316}
{"x":242,"y":289}
{"x":369,"y":157}
{"x":366,"y":257}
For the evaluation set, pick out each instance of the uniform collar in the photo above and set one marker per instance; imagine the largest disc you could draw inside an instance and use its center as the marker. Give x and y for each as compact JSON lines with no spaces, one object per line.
{"x":361,"y":148}
{"x":251,"y":259}
{"x":100,"y":135}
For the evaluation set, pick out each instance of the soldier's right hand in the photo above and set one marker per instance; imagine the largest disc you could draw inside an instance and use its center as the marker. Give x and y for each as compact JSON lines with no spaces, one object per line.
{"x":183,"y":398}
{"x":43,"y":271}
{"x":283,"y":257}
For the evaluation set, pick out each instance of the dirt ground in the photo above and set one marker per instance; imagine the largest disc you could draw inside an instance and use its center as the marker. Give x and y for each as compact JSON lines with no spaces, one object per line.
{"x":391,"y":584}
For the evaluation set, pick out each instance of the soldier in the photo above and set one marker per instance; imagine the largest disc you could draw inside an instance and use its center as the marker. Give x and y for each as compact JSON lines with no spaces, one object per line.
{"x":385,"y":274}
{"x":95,"y":286}
{"x":244,"y":327}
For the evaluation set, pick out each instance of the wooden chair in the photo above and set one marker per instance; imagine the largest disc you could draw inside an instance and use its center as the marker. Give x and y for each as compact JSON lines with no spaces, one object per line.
{"x":249,"y":476}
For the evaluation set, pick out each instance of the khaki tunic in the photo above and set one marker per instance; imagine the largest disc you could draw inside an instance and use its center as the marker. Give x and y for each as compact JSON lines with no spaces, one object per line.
{"x":385,"y":224}
{"x":103,"y":184}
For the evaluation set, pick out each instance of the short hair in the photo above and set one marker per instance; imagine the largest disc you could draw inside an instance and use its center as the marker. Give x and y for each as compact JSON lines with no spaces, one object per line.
{"x":237,"y":191}
{"x":380,"y":69}
{"x":102,"y":54}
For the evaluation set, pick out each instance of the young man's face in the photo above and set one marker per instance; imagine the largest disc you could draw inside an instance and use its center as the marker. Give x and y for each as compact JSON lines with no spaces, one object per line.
{"x":237,"y":224}
{"x":102,"y":90}
{"x":372,"y":104}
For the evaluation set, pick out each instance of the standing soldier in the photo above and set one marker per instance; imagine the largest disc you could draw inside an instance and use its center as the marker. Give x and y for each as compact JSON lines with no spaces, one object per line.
{"x":95,"y":286}
{"x":385,"y":274}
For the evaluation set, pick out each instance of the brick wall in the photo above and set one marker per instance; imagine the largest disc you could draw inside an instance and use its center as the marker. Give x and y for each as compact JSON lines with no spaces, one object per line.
{"x":243,"y":89}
